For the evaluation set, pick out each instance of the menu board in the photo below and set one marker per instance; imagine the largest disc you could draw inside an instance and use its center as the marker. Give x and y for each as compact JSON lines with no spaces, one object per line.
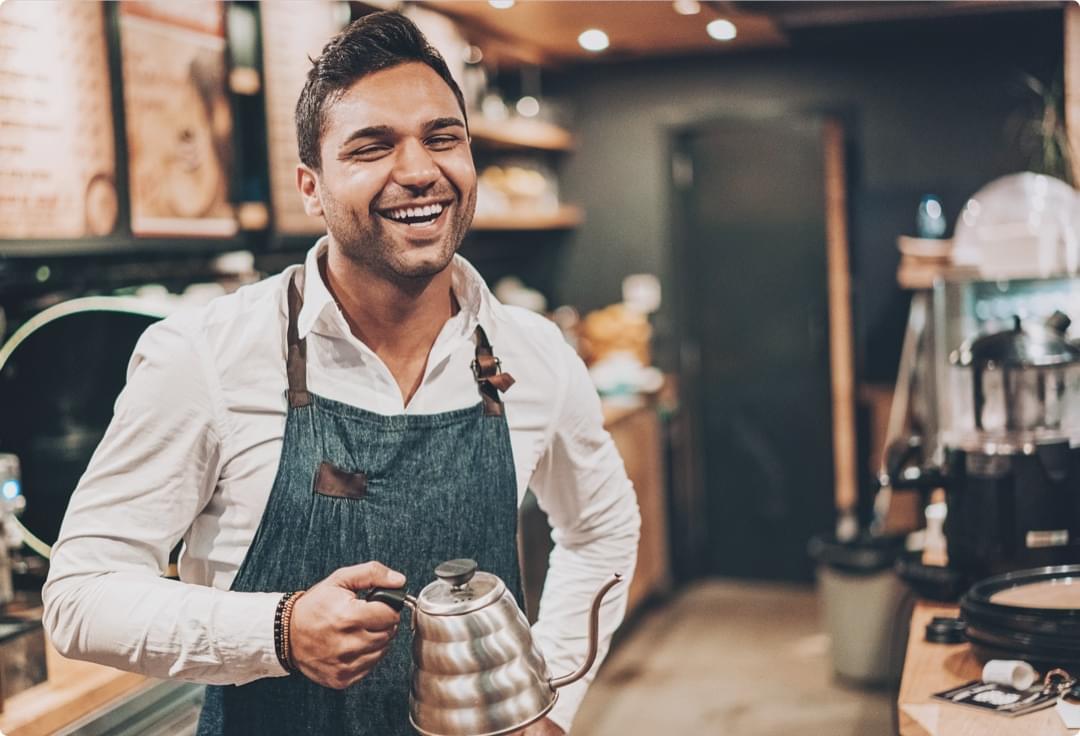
{"x":57,"y":152}
{"x":292,"y":32}
{"x":177,"y":116}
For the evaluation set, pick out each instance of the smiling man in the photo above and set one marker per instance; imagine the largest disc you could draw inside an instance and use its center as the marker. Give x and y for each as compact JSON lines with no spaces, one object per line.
{"x":347,"y":424}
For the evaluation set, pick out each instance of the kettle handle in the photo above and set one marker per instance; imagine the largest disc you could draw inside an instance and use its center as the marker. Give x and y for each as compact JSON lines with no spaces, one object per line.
{"x":594,"y":636}
{"x":396,"y":598}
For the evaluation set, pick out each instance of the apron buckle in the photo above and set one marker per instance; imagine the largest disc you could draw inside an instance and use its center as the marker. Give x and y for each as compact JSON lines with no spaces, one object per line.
{"x":484,"y":373}
{"x":488,"y":370}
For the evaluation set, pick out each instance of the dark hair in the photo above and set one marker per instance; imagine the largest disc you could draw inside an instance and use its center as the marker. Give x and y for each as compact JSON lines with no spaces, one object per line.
{"x":369,"y":44}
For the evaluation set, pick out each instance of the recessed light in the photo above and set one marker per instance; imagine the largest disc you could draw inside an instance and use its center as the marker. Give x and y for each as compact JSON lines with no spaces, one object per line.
{"x":528,"y":107}
{"x":721,"y":30}
{"x":687,"y":7}
{"x":501,"y":4}
{"x":593,"y":40}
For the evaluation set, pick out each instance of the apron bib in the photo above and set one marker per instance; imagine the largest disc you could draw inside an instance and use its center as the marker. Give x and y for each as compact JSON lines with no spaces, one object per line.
{"x":354,"y":486}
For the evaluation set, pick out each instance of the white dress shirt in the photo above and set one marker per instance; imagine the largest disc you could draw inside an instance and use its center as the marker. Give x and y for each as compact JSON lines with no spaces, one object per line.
{"x":193,"y":450}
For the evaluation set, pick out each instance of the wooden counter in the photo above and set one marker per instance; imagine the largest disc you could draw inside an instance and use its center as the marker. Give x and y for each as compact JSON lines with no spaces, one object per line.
{"x":636,"y":431}
{"x":933,"y":668}
{"x":73,"y":690}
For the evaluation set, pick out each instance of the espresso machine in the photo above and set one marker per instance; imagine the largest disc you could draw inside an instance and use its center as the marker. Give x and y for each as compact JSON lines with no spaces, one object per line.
{"x":987,"y":406}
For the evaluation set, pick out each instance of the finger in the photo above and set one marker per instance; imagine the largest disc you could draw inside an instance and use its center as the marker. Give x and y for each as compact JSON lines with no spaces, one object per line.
{"x":369,"y":641}
{"x":363,"y":664}
{"x":373,"y":616}
{"x":364,"y":645}
{"x":367,"y":575}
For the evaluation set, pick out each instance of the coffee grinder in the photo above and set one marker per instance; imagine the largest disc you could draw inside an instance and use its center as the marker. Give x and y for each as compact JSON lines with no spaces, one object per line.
{"x":991,"y":369}
{"x":1011,"y":446}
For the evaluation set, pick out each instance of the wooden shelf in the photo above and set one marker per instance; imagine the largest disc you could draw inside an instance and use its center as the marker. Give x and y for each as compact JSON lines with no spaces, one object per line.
{"x":567,"y":216}
{"x":520,"y":133}
{"x":923,"y":261}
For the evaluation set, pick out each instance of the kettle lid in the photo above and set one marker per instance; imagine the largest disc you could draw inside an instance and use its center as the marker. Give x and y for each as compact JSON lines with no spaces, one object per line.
{"x":461,"y":588}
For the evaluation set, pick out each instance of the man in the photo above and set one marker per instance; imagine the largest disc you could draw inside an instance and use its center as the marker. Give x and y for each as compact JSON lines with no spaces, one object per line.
{"x":341,"y":426}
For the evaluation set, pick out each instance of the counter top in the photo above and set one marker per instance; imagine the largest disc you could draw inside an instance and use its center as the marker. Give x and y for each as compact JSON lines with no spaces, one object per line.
{"x":73,"y":691}
{"x":933,"y":668}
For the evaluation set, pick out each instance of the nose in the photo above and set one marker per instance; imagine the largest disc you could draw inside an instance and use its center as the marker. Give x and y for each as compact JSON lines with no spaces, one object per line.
{"x":415,"y":168}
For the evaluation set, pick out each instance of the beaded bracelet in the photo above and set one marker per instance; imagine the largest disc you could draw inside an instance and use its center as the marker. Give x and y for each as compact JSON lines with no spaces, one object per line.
{"x":286,"y":627}
{"x":282,"y":619}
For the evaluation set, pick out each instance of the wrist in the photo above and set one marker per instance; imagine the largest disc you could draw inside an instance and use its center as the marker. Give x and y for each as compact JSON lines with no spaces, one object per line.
{"x":282,"y":630}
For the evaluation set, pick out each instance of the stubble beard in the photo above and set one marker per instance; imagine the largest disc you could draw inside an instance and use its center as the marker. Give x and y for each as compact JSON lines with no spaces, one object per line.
{"x":367,"y":242}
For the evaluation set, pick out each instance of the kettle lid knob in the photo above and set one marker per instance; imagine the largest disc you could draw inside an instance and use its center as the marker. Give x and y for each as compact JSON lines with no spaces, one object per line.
{"x":456,"y":572}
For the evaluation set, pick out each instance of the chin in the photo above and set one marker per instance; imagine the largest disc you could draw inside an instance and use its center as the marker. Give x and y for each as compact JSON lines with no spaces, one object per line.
{"x":424,"y":266}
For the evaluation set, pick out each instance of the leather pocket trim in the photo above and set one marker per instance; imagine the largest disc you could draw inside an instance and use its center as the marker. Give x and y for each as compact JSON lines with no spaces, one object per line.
{"x":338,"y":483}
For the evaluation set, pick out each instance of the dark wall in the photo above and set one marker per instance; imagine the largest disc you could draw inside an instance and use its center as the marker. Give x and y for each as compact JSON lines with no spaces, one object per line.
{"x":929,"y":108}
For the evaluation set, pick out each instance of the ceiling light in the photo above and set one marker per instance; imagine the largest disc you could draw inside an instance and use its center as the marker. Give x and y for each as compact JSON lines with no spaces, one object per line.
{"x":593,"y":40}
{"x":528,"y":107}
{"x":687,"y":7}
{"x":501,"y":4}
{"x":721,"y":30}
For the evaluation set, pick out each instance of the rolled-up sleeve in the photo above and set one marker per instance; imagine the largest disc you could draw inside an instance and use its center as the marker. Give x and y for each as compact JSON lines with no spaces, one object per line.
{"x":581,"y":483}
{"x":155,"y":469}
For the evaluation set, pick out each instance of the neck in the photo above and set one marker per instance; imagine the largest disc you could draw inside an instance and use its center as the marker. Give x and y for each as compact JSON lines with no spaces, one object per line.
{"x":397,"y":319}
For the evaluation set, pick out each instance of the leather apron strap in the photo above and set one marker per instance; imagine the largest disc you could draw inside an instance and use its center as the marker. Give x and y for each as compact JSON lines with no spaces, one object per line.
{"x":487,"y":370}
{"x":296,"y":362}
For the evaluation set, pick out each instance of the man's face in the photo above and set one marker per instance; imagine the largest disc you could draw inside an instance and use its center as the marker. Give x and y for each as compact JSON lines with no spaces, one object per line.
{"x":398,"y":186}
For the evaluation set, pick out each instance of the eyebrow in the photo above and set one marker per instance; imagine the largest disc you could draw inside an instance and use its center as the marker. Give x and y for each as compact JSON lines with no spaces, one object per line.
{"x":439,"y":123}
{"x":385,"y":131}
{"x":371,"y":131}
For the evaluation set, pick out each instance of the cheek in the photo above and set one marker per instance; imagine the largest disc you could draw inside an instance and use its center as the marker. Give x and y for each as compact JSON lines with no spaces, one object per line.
{"x":462,"y":173}
{"x":359,"y":187}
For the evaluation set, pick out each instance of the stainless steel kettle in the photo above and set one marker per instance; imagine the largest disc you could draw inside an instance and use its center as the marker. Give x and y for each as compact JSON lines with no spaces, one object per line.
{"x":476,"y":670}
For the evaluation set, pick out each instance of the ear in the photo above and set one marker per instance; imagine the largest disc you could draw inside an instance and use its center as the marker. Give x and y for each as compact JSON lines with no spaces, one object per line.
{"x":307,"y":182}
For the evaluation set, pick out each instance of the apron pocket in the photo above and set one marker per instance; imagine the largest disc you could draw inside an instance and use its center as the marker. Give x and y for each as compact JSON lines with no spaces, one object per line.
{"x":333,"y":481}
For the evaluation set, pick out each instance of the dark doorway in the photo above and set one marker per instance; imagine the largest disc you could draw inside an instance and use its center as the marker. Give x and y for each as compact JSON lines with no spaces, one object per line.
{"x":749,"y":211}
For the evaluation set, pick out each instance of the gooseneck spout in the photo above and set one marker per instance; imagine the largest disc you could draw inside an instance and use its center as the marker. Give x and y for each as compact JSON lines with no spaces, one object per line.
{"x":594,"y":635}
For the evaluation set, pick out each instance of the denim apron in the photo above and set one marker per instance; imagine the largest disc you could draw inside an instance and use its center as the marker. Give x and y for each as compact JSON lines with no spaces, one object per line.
{"x":354,"y":486}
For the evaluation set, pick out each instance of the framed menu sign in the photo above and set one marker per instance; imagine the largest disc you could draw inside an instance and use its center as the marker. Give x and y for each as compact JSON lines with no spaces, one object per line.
{"x":177,"y":117}
{"x":57,"y":148}
{"x":292,"y":32}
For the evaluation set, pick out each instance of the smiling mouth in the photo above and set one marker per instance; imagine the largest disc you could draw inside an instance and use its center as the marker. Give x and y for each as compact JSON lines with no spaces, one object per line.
{"x":420,"y":216}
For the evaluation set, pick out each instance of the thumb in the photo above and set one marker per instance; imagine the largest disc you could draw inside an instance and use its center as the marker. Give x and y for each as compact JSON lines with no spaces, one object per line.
{"x":367,"y":575}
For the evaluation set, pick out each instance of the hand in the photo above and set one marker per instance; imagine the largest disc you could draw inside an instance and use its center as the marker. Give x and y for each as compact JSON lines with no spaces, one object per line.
{"x":335,"y":637}
{"x":543,"y":727}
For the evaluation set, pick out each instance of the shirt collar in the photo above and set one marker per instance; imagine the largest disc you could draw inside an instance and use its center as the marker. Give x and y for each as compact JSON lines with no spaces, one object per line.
{"x":473,"y":296}
{"x":317,"y":298}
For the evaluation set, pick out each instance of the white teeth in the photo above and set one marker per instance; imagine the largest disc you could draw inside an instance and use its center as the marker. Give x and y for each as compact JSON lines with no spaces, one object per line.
{"x":411,"y":212}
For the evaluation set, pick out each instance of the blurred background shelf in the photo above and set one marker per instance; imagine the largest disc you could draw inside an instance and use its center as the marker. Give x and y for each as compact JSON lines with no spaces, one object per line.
{"x":521,"y":133}
{"x":568,"y":216}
